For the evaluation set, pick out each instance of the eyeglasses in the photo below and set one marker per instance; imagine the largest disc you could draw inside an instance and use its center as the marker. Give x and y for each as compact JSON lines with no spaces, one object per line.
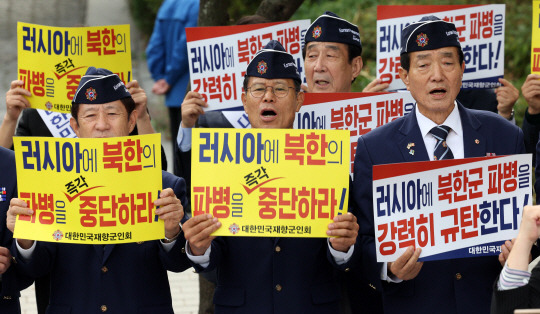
{"x":280,"y":90}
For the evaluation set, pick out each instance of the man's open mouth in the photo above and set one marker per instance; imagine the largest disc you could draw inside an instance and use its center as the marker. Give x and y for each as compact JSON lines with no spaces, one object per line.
{"x":321,"y":82}
{"x":438,"y":91}
{"x":268,"y":113}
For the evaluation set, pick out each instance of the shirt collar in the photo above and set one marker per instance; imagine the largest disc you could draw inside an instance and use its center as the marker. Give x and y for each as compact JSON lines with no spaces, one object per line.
{"x":453,"y":121}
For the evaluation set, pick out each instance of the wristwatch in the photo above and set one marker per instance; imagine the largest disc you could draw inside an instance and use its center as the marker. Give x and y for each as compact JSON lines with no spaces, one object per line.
{"x":511,"y":115}
{"x":169,"y":240}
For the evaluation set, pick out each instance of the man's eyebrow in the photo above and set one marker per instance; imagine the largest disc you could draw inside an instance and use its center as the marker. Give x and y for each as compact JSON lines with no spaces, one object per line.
{"x":111,"y":107}
{"x":311,"y":46}
{"x":422,"y":56}
{"x":447,"y":54}
{"x":333,"y":47}
{"x":329,"y":46}
{"x":87,"y":109}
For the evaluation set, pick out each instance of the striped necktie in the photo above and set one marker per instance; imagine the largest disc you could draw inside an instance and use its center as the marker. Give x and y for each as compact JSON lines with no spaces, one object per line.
{"x":441,"y":151}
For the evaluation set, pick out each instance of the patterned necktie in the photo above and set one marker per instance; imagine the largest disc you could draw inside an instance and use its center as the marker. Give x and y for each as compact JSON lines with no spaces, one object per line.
{"x":441,"y":151}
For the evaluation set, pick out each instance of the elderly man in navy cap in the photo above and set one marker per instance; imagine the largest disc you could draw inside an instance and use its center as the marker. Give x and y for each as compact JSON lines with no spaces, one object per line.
{"x":332,"y":54}
{"x":122,"y":278}
{"x":432,"y":69}
{"x":272,"y":275}
{"x":332,"y":61}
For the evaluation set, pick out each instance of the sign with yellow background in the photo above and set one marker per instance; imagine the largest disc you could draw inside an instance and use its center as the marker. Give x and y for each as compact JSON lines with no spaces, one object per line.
{"x":535,"y":45}
{"x":93,"y":191}
{"x":52,"y":60}
{"x":271,"y":182}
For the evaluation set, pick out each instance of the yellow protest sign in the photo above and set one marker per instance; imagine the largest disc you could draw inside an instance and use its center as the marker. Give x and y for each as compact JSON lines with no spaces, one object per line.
{"x":270,"y":182}
{"x":52,"y":60}
{"x":93,"y":191}
{"x":535,"y":44}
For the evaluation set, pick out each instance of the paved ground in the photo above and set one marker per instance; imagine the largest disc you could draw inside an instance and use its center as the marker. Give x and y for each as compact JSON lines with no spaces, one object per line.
{"x":184,"y":286}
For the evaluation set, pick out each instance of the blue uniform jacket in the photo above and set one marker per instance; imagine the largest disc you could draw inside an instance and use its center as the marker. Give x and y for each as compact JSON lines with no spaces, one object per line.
{"x":12,"y":280}
{"x":166,"y":53}
{"x":121,"y":278}
{"x":447,"y":286}
{"x":274,"y":275}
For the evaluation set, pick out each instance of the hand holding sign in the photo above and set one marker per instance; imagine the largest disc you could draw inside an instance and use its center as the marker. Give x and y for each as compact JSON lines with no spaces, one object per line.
{"x":15,"y":100}
{"x":15,"y":103}
{"x":18,"y":207}
{"x":197,"y":231}
{"x":139,"y":97}
{"x":144,"y":126}
{"x":345,"y":228}
{"x":531,"y":93}
{"x":170,"y":211}
{"x":376,"y":86}
{"x":192,"y":108}
{"x":406,"y":267}
{"x":507,"y":95}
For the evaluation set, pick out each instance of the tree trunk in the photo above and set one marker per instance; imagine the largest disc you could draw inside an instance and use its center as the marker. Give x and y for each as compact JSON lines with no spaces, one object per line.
{"x":278,"y":10}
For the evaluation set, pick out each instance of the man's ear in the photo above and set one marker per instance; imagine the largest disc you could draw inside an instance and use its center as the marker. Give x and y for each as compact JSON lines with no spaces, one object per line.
{"x":74,"y":125}
{"x":357,"y":65}
{"x":300,"y":100}
{"x":132,"y":121}
{"x":244,"y":100}
{"x":404,"y":75}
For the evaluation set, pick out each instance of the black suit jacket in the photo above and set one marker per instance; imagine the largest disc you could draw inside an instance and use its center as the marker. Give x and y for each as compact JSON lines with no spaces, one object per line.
{"x":437,"y":288}
{"x":12,"y":281}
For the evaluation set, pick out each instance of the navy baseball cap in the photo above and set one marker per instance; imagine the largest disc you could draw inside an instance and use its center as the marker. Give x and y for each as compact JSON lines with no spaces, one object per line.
{"x":99,"y":86}
{"x":429,"y":33}
{"x":273,"y":62}
{"x":331,"y":28}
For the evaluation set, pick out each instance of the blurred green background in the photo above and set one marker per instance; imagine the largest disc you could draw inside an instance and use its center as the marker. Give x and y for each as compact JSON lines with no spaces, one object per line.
{"x":364,"y":14}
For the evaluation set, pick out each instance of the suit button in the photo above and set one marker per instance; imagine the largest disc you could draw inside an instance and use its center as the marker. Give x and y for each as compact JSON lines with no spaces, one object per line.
{"x":103,"y":308}
{"x":7,"y":297}
{"x":104,"y":269}
{"x":278,"y":249}
{"x":458,"y":276}
{"x":278,"y":287}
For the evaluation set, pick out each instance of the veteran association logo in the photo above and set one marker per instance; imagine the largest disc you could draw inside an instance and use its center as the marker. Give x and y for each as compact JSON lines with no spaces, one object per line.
{"x":317,"y":32}
{"x":48,"y":105}
{"x":58,"y":235}
{"x":234,"y":228}
{"x":422,"y":40}
{"x":262,"y":67}
{"x":91,"y":94}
